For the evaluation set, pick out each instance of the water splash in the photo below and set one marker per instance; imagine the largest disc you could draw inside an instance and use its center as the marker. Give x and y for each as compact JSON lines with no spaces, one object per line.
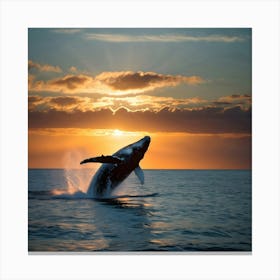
{"x":80,"y":181}
{"x":76,"y":177}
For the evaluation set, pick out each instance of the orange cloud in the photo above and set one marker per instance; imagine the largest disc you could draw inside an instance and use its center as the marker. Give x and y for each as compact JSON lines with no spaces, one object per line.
{"x":113,"y":83}
{"x":43,"y":67}
{"x":151,"y":103}
{"x":132,"y":103}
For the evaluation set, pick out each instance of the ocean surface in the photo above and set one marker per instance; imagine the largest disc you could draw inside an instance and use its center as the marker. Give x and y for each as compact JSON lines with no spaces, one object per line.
{"x":175,"y":210}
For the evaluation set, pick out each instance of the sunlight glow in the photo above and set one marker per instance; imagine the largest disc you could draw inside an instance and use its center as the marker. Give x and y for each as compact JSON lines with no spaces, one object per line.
{"x":117,"y":132}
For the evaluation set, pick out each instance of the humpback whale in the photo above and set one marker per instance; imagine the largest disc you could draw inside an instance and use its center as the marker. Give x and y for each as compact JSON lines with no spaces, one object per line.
{"x":117,"y":167}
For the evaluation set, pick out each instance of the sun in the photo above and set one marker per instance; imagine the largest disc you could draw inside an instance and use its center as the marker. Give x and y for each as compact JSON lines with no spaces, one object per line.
{"x":117,"y":132}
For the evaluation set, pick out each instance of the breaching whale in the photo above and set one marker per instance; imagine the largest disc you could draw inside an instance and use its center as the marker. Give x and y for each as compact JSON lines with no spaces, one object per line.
{"x":117,"y":167}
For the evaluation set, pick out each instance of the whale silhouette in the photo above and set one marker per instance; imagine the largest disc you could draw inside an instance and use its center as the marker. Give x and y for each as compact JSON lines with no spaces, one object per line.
{"x":117,"y":167}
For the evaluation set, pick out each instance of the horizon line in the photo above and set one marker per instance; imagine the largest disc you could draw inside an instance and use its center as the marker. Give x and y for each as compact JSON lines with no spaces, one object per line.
{"x":57,"y":168}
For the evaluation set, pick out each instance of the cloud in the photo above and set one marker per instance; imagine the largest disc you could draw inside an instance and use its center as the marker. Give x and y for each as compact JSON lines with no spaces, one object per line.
{"x":73,"y":69}
{"x":34,"y":101}
{"x":113,"y":83}
{"x":132,"y":103}
{"x":66,"y":84}
{"x":43,"y":67}
{"x":235,"y":97}
{"x":31,"y":79}
{"x":151,"y":103}
{"x":244,"y":100}
{"x":66,"y":30}
{"x":244,"y":96}
{"x":70,"y":82}
{"x":121,"y":38}
{"x":63,"y":103}
{"x":203,"y":120}
{"x":144,"y":80}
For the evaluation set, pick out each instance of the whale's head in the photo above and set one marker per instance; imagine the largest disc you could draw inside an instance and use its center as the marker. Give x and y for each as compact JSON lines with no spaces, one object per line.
{"x":141,"y":146}
{"x":137,"y":150}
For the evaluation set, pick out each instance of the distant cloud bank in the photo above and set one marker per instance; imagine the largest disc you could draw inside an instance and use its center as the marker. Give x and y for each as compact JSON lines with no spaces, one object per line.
{"x":204,"y":120}
{"x":114,"y":83}
{"x":121,"y":38}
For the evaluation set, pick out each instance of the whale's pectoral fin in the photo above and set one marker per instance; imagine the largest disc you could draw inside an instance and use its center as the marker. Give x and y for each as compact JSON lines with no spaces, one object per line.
{"x":140,"y":174}
{"x":103,"y":159}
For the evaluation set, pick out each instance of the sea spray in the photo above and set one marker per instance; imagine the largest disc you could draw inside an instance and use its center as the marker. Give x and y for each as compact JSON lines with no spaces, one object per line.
{"x":76,"y":177}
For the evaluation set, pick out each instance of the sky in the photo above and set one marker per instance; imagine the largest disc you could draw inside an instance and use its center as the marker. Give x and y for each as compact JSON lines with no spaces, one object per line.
{"x":93,"y":91}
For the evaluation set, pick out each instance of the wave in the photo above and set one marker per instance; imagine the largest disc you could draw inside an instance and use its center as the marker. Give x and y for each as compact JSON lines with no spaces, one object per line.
{"x":127,"y":196}
{"x":61,"y":194}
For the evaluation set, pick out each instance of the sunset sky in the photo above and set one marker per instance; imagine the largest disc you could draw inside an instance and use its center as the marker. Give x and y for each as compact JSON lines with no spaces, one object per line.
{"x":93,"y":91}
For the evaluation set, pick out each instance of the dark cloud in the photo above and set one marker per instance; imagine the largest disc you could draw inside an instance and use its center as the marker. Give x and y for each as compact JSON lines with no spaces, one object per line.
{"x":113,"y":83}
{"x":203,"y":120}
{"x":236,"y":98}
{"x":34,"y":98}
{"x":244,"y":100}
{"x":134,"y":80}
{"x":33,"y":101}
{"x":64,"y":101}
{"x":221,"y":103}
{"x":70,"y":81}
{"x":139,"y":80}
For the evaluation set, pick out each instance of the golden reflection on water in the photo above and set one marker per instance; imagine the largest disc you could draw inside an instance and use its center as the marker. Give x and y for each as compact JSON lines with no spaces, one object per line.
{"x":59,"y":192}
{"x":161,"y":242}
{"x":89,"y":245}
{"x":128,"y":202}
{"x":160,"y":225}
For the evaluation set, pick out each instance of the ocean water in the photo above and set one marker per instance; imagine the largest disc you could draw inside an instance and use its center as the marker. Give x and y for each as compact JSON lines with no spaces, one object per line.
{"x":175,"y":210}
